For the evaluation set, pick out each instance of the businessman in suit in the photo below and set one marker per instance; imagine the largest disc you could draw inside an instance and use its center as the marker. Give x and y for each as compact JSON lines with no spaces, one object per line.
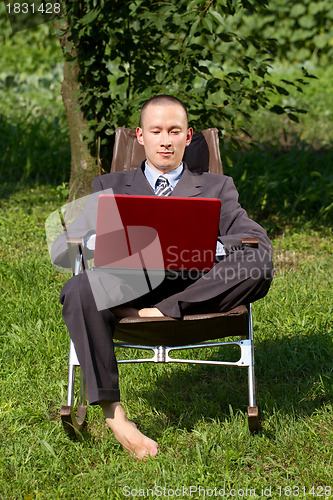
{"x":243,"y":275}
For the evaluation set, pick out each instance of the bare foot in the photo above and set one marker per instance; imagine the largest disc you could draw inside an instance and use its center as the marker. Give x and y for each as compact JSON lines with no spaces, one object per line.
{"x":124,"y":311}
{"x":150,"y":312}
{"x":126,"y":432}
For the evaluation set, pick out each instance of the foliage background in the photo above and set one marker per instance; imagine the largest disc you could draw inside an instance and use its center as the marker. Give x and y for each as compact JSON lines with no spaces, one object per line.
{"x":204,"y":52}
{"x":304,"y":30}
{"x":35,"y":145}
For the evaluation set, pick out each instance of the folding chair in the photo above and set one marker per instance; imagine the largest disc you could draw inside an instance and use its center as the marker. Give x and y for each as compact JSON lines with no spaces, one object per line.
{"x":161,"y":335}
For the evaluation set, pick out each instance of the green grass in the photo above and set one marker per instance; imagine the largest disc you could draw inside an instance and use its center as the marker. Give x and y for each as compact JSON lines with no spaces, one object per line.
{"x":196,"y":414}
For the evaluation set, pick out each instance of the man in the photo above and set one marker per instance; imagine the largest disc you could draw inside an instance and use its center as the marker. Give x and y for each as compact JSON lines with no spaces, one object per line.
{"x":164,"y":133}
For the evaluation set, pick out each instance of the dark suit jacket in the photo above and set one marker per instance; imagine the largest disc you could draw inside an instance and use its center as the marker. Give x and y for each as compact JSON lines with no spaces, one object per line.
{"x":234,"y":225}
{"x":234,"y":221}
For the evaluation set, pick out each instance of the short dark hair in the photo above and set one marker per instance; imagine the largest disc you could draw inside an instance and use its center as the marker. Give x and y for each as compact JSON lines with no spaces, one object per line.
{"x":163,"y":99}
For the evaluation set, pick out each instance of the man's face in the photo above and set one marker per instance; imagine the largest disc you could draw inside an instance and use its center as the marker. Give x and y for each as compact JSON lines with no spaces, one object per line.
{"x":164,"y":135}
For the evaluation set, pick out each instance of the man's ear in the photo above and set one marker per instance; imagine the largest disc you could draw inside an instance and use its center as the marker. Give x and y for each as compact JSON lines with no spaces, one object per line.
{"x":139,"y":136}
{"x":189,"y":136}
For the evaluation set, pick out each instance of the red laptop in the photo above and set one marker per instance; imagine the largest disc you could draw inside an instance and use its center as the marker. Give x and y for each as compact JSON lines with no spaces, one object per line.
{"x":156,"y":233}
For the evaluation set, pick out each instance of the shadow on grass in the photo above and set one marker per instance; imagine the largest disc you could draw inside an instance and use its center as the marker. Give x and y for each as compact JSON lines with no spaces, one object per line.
{"x":294,"y":376}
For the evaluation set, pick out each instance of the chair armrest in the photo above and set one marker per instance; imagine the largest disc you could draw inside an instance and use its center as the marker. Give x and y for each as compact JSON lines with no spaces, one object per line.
{"x":74,"y":241}
{"x":250,"y":242}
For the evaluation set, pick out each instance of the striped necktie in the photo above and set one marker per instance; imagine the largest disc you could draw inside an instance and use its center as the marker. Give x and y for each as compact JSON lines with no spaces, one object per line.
{"x":162,"y":187}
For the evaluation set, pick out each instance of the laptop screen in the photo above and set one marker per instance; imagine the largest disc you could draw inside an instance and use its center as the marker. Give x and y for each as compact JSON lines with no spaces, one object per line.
{"x":150,"y":232}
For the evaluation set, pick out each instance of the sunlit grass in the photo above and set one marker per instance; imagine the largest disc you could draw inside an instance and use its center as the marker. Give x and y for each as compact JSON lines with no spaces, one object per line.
{"x":197,"y":414}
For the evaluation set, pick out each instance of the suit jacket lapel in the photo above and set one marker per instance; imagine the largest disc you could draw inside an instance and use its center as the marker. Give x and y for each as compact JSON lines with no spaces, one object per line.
{"x":188,"y":185}
{"x":138,"y":184}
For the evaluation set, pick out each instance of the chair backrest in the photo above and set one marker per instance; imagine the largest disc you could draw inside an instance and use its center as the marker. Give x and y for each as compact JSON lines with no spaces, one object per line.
{"x":202,"y":155}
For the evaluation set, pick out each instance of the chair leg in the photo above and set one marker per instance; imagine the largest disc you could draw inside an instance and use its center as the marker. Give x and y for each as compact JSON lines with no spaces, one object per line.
{"x":253,"y":419}
{"x":252,"y":410}
{"x":74,"y":420}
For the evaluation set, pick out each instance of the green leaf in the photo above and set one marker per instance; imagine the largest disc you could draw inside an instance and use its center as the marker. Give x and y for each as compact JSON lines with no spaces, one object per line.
{"x":204,"y":69}
{"x":315,"y":7}
{"x":194,"y":27}
{"x":217,"y":16}
{"x":235,"y":86}
{"x":281,"y":90}
{"x":90,"y":17}
{"x":297,"y":10}
{"x":277,"y":109}
{"x":293,"y":117}
{"x":322,"y":40}
{"x":208,"y":24}
{"x":225,"y":37}
{"x":193,"y":3}
{"x":68,"y":47}
{"x":49,"y":448}
{"x":307,"y":22}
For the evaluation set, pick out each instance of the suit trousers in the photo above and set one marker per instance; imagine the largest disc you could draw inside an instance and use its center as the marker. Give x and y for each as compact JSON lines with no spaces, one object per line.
{"x":242,"y":277}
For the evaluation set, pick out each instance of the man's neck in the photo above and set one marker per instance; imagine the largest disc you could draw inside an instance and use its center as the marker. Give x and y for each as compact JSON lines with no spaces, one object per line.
{"x":173,"y":176}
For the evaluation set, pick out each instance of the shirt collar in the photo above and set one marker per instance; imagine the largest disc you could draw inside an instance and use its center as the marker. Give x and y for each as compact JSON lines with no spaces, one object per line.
{"x":173,"y":177}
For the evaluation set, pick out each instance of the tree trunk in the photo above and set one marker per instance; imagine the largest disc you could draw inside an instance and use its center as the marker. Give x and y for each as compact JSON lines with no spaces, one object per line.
{"x":83,"y":165}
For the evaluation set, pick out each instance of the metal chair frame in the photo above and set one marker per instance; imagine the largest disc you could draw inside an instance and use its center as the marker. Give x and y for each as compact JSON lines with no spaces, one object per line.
{"x":74,"y":420}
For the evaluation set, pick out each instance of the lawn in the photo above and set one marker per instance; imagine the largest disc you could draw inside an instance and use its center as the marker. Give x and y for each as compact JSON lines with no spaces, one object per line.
{"x":197,"y":414}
